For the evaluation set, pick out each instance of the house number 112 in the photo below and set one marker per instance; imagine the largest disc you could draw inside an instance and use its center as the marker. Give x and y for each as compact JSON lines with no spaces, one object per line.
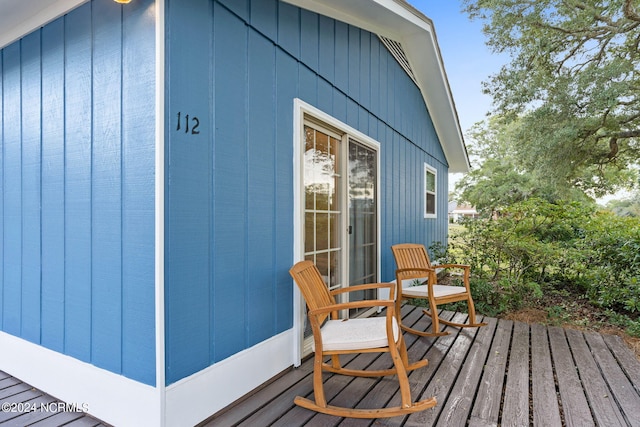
{"x":194,"y":121}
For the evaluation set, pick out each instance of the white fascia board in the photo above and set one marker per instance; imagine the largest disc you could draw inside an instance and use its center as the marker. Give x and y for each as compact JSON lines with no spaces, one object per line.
{"x":19,"y":18}
{"x":398,"y":20}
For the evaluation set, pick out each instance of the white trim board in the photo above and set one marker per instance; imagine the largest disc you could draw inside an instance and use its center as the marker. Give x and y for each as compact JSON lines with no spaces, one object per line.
{"x":160,"y":327}
{"x":197,"y":397}
{"x":110,"y":397}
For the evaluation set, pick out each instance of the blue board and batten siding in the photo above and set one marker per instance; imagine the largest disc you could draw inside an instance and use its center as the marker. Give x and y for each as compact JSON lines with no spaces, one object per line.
{"x":77,"y":206}
{"x":234,"y":68}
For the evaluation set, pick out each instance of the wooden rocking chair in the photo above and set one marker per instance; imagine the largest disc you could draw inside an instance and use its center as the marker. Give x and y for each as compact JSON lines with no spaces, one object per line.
{"x":333,"y":336}
{"x":414,"y":266}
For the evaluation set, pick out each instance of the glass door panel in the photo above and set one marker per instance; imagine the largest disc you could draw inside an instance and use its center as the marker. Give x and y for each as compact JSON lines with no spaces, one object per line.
{"x":363,"y":209}
{"x":323,"y":212}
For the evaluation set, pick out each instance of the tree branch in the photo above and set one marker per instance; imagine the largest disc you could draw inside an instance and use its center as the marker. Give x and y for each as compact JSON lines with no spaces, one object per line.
{"x":630,"y":12}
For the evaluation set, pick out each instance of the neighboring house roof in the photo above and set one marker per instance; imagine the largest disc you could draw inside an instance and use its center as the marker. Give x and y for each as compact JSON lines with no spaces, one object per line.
{"x":463,"y":209}
{"x":396,"y":20}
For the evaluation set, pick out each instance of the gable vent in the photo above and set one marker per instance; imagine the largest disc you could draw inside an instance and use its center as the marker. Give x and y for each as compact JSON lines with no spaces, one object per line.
{"x":396,"y":50}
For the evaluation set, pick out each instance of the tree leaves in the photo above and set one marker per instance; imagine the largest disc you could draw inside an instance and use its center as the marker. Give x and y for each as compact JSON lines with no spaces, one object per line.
{"x":573,"y":84}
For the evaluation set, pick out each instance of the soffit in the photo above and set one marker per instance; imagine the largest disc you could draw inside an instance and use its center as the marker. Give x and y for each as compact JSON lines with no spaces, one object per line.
{"x":20,"y":17}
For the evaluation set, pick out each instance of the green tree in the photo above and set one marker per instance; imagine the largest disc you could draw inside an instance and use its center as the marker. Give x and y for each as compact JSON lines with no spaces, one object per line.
{"x":500,"y":176}
{"x":573,"y":82}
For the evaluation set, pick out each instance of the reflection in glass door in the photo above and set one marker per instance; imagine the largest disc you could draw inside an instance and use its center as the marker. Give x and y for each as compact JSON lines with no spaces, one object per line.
{"x":363,"y":208}
{"x":322,"y":211}
{"x":342,"y":243}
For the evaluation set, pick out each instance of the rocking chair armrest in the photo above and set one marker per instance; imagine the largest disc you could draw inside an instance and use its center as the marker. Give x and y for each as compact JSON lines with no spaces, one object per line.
{"x":389,"y":304}
{"x":364,"y":287}
{"x":461,"y":266}
{"x":467,"y":272}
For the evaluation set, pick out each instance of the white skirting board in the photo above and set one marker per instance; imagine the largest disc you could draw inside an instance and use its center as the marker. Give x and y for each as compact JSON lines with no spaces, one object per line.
{"x":124,"y":402}
{"x":110,"y":397}
{"x":197,"y":397}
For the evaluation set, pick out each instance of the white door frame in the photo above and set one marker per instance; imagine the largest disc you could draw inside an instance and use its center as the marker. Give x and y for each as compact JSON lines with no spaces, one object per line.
{"x":300,"y":108}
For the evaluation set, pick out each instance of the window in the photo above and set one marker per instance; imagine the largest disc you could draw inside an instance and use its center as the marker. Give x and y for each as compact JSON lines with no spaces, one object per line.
{"x":430,"y":184}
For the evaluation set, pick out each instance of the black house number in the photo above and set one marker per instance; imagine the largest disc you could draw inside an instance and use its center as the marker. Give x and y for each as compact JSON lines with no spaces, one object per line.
{"x":190,"y":124}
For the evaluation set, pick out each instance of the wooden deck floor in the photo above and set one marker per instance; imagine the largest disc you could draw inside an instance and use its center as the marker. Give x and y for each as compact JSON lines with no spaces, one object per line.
{"x":504,"y":374}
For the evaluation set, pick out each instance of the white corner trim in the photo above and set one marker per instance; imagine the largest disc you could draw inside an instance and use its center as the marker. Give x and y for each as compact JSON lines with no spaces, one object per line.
{"x":110,"y":397}
{"x":159,"y":214}
{"x":197,"y":397}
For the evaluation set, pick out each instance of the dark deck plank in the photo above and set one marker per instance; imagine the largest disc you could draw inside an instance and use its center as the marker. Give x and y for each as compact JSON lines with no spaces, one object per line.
{"x":604,"y":408}
{"x":515,"y":411}
{"x":58,"y":419}
{"x":264,"y":396}
{"x":546,"y":411}
{"x":486,"y":409}
{"x":575,"y":407}
{"x":8,"y":392}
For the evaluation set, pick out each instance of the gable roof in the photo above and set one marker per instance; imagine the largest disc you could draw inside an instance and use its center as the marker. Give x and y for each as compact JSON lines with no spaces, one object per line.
{"x":399,"y":21}
{"x":396,"y":20}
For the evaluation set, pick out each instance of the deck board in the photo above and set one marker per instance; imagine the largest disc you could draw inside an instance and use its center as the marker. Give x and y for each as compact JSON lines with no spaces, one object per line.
{"x":546,"y":411}
{"x":604,"y":409}
{"x":515,"y":411}
{"x":458,"y":407}
{"x":621,"y":388}
{"x":486,"y":410}
{"x":575,"y":407}
{"x":625,"y":358}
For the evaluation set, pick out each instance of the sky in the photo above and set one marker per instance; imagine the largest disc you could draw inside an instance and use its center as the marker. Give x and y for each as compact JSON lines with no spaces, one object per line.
{"x":467,"y":60}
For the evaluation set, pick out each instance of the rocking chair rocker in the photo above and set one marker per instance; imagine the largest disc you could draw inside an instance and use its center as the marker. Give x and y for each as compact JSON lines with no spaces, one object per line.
{"x":414,"y":265}
{"x":333,"y":336}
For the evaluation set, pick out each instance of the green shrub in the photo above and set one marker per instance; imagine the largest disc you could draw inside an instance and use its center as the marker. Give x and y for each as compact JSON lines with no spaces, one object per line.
{"x":535,"y":245}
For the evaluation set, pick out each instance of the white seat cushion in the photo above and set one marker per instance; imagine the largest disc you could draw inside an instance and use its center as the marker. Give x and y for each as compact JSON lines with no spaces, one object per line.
{"x":422,"y":291}
{"x":355,"y":334}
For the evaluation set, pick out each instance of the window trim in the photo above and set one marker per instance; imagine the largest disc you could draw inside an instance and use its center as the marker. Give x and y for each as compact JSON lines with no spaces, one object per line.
{"x":430,"y":170}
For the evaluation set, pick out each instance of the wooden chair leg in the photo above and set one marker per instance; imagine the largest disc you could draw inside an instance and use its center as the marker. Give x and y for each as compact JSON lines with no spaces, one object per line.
{"x":403,"y":378}
{"x":318,"y":386}
{"x":435,"y":319}
{"x":472,"y":315}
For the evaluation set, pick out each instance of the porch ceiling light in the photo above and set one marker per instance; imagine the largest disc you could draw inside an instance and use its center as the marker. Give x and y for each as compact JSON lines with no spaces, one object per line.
{"x":122,"y":1}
